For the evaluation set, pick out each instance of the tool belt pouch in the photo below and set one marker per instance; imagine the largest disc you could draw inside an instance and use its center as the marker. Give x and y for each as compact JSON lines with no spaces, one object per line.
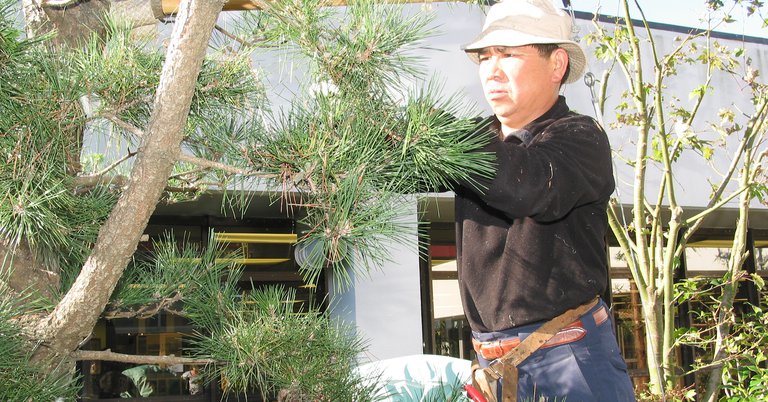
{"x":487,"y":385}
{"x":487,"y":382}
{"x":505,"y":370}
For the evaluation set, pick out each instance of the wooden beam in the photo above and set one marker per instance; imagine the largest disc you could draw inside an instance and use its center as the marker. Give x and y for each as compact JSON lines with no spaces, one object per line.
{"x":171,"y":6}
{"x":260,"y":238}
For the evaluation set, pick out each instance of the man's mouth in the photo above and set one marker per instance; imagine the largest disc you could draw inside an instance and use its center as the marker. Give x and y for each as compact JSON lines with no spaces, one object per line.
{"x":496,"y":93}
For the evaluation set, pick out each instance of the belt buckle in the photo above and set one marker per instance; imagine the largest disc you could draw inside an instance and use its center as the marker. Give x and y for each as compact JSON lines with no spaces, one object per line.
{"x":494,"y":349}
{"x":491,"y":366}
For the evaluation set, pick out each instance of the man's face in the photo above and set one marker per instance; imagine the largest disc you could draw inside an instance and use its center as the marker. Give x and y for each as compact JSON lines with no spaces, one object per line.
{"x":520,"y":84}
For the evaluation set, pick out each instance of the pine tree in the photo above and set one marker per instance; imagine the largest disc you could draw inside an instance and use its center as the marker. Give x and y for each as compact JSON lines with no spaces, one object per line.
{"x":346,"y":154}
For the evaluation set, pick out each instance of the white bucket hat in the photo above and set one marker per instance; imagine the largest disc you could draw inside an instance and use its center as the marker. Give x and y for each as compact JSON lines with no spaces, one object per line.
{"x":527,"y":22}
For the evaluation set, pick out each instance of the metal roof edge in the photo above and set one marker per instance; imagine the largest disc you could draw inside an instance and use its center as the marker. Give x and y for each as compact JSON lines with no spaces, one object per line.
{"x":584,"y":15}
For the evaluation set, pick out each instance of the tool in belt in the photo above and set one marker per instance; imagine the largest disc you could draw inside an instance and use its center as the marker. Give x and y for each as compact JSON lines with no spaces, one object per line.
{"x":483,"y":388}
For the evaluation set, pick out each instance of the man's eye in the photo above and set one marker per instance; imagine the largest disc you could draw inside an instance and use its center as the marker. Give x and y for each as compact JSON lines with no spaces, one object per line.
{"x":483,"y":57}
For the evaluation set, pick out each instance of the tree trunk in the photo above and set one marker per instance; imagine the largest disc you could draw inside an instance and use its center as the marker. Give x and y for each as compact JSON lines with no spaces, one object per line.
{"x":638,"y":332}
{"x":75,"y":23}
{"x":72,"y":24}
{"x":725,"y":314}
{"x":654,"y":353}
{"x":26,"y":273}
{"x":74,"y":317}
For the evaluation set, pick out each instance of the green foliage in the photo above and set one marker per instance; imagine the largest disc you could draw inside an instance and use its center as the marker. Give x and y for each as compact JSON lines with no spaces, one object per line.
{"x":203,"y":278}
{"x":744,"y":376}
{"x":20,"y":379}
{"x":263,"y":339}
{"x":359,"y":138}
{"x":42,"y":119}
{"x":123,"y":71}
{"x":360,"y":50}
{"x":41,"y":123}
{"x":264,"y":343}
{"x":84,"y":220}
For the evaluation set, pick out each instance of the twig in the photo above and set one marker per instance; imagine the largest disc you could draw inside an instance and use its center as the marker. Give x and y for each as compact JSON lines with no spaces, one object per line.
{"x":211,"y":164}
{"x":234,"y":37}
{"x":114,"y":164}
{"x":123,"y":124}
{"x":188,"y":172}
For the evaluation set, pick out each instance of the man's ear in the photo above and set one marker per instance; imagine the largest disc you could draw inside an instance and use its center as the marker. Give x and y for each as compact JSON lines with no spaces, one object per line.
{"x":559,"y":58}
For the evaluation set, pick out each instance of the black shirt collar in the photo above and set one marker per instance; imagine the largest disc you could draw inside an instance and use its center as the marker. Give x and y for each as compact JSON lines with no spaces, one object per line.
{"x":527,"y":133}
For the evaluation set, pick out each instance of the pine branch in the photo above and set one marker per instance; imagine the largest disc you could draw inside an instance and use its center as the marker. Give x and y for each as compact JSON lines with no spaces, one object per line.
{"x":182,"y":157}
{"x":235,"y":37}
{"x":85,"y":182}
{"x":123,"y":124}
{"x":109,"y":355}
{"x":212,"y":164}
{"x":147,"y":310}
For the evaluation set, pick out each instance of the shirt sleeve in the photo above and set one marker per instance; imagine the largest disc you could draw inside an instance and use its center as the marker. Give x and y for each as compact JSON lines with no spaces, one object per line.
{"x":565,"y":165}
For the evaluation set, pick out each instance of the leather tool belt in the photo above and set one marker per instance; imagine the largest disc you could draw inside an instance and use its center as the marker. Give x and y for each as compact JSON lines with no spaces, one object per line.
{"x":495,"y":349}
{"x":555,"y":332}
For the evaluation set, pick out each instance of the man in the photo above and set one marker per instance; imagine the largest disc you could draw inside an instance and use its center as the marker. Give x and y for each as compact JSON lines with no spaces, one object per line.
{"x":531,"y":240}
{"x":193,"y":381}
{"x":129,"y":383}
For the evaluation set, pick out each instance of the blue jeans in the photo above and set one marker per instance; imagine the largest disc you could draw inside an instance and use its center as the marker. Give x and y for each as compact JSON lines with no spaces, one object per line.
{"x":588,"y":370}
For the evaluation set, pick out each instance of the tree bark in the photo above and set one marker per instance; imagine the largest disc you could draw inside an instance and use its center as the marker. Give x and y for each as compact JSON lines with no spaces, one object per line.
{"x":25,"y":272}
{"x":109,"y":355}
{"x":76,"y":22}
{"x":72,"y":23}
{"x":74,"y":317}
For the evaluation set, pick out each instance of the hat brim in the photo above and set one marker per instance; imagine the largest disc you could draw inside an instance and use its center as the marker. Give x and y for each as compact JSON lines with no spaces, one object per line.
{"x":511,"y":38}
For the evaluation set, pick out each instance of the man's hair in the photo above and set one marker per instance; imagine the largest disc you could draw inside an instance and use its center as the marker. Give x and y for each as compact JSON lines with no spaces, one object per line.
{"x":545,"y":50}
{"x":114,"y":382}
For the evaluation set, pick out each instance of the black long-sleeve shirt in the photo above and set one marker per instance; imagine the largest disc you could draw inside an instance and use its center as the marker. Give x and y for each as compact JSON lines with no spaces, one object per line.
{"x":531,"y":244}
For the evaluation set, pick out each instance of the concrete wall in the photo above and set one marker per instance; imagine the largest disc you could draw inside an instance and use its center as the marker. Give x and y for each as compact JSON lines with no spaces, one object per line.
{"x":385,"y":305}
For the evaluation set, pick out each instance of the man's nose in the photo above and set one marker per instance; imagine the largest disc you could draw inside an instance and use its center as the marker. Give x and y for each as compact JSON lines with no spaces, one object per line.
{"x":494,"y":67}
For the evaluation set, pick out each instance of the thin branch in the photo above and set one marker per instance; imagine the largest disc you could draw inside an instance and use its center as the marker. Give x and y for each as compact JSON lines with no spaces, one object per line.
{"x":179,"y":176}
{"x":629,"y":248}
{"x":182,"y":157}
{"x":91,"y":181}
{"x":714,"y":207}
{"x":189,"y":190}
{"x":104,"y":171}
{"x":234,"y":37}
{"x":109,"y":355}
{"x":146,"y":311}
{"x":211,"y":164}
{"x":123,"y":124}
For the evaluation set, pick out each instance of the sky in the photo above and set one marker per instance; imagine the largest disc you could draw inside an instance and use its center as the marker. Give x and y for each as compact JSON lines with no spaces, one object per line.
{"x":676,"y":12}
